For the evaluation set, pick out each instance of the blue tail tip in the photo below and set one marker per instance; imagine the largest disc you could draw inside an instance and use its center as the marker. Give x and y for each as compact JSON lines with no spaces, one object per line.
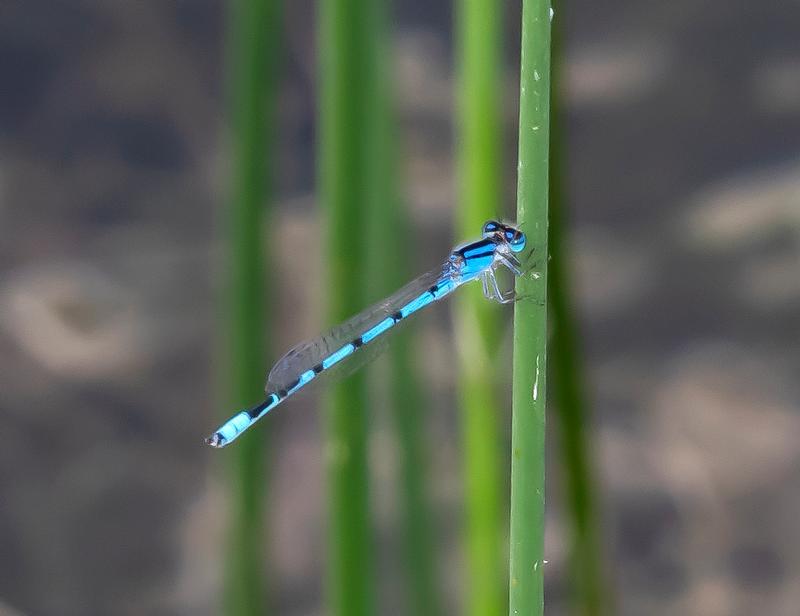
{"x":216,"y":440}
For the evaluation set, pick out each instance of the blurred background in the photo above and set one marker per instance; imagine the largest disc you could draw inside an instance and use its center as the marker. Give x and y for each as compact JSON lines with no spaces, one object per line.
{"x":681,"y":126}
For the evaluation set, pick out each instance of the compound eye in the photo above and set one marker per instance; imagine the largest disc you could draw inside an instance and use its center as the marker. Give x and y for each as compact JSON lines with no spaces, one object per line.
{"x":490,"y":228}
{"x":517,"y":241}
{"x":510,"y":234}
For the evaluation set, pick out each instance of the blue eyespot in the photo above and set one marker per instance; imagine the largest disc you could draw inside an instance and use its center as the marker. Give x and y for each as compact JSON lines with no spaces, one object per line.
{"x":490,"y":228}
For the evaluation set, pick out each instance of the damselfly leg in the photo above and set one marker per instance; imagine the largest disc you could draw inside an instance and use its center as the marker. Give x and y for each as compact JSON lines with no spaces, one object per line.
{"x":491,"y":289}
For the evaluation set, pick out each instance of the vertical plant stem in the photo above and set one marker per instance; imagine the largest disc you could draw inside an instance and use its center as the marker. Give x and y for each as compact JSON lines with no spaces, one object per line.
{"x":253,"y":48}
{"x":567,"y":373}
{"x":346,"y":97}
{"x":408,"y":405}
{"x":477,"y":321}
{"x":391,"y":268}
{"x":526,"y":594}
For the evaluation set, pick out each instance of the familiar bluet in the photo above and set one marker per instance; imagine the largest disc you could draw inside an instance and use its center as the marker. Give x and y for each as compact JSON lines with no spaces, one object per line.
{"x":305,"y":362}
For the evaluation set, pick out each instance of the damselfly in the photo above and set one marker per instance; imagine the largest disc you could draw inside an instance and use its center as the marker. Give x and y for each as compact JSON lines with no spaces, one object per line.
{"x":498,"y":246}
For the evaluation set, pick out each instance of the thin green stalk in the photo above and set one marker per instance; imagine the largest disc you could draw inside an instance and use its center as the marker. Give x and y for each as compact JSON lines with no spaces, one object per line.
{"x":253,"y":40}
{"x":526,"y":589}
{"x":477,"y":321}
{"x":408,"y":406}
{"x":568,"y":378}
{"x":390,"y":269}
{"x":347,"y":93}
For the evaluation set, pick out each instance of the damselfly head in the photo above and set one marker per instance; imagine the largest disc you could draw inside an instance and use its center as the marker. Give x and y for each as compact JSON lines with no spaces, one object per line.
{"x":506,"y":233}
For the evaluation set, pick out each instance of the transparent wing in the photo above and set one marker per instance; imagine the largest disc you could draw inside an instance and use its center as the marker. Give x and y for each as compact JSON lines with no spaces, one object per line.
{"x":308,"y":354}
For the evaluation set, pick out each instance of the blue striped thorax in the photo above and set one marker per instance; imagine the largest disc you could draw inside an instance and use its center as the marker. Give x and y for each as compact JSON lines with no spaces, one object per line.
{"x":477,"y":257}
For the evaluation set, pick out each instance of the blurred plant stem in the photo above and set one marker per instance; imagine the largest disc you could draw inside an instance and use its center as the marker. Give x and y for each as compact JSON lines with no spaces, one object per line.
{"x":568,"y":378}
{"x":408,"y":406}
{"x":347,"y":96}
{"x":478,"y":323}
{"x":526,"y":594}
{"x":253,"y":48}
{"x":390,"y":268}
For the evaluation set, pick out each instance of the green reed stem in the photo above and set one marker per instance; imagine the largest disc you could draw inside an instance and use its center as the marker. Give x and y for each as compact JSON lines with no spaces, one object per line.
{"x":568,"y":378}
{"x":390,"y":269}
{"x":347,"y":93}
{"x":526,"y":594}
{"x":253,"y":47}
{"x":478,"y":321}
{"x":408,"y":406}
